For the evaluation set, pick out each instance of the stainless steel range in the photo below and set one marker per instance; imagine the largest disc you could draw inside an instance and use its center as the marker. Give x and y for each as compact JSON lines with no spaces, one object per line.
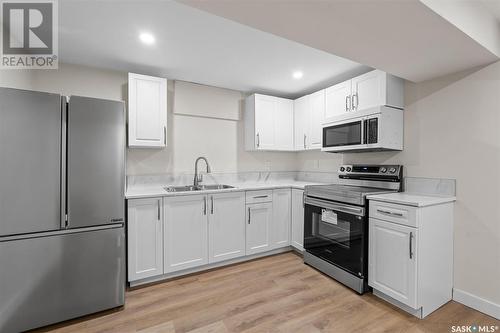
{"x":336,"y":221}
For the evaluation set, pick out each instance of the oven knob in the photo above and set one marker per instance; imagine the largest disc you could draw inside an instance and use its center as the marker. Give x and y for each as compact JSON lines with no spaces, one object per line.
{"x":392,"y":170}
{"x":383,"y":170}
{"x":342,"y":169}
{"x":348,"y":169}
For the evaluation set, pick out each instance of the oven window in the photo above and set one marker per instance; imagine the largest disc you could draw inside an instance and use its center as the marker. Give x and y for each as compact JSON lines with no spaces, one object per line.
{"x":337,"y":237}
{"x":327,"y":226}
{"x":342,"y":135}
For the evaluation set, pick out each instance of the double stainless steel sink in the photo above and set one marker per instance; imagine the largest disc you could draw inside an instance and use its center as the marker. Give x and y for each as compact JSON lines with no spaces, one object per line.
{"x":191,"y":188}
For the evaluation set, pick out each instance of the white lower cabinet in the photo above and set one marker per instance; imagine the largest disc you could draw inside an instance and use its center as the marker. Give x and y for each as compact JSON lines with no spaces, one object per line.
{"x":226,"y":226}
{"x":392,"y":263}
{"x":258,"y":217}
{"x":145,"y":239}
{"x":185,"y":232}
{"x":297,"y":237}
{"x":410,"y":262}
{"x":282,"y":211}
{"x":176,"y":233}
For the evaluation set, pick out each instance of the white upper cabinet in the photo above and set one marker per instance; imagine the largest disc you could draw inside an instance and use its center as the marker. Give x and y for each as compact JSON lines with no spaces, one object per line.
{"x":301,"y":122}
{"x":185,"y":232}
{"x":284,"y":124}
{"x":147,"y":111}
{"x":316,"y":119}
{"x":265,"y":114}
{"x":309,"y":116}
{"x":369,"y":90}
{"x":282,"y":211}
{"x":273,"y":123}
{"x":338,"y":99}
{"x":268,"y":123}
{"x":145,"y":239}
{"x":226,"y":226}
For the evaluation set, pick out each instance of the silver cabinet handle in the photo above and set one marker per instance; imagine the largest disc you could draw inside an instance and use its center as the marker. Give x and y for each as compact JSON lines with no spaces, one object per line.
{"x":354,"y":97}
{"x":389,"y":212}
{"x":165,"y":135}
{"x":258,"y":140}
{"x":305,"y":136}
{"x":260,"y":197}
{"x":212,"y":205}
{"x":411,"y":240}
{"x":159,"y":217}
{"x":347,"y":99}
{"x":304,"y":199}
{"x":248,"y":215}
{"x":204,"y":205}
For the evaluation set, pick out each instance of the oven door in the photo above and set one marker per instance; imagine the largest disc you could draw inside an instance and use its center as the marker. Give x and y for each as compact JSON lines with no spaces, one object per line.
{"x":336,"y":233}
{"x":341,"y":134}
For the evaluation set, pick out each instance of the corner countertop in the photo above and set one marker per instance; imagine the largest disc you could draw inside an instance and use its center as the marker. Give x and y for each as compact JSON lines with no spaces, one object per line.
{"x":412,"y":199}
{"x":157,"y":190}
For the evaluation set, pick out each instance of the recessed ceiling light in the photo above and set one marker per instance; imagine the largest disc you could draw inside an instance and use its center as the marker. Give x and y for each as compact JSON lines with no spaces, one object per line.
{"x":147,"y":38}
{"x":297,"y":75}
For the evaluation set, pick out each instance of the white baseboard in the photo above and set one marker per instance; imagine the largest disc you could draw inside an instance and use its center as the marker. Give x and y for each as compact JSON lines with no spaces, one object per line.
{"x":477,"y":303}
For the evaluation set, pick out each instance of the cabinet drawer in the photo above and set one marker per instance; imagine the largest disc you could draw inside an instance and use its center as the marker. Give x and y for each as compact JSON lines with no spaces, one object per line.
{"x":401,"y":214}
{"x":259,"y":196}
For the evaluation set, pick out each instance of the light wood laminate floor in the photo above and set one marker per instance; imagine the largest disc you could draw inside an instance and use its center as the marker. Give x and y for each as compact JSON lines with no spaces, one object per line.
{"x":273,"y":294}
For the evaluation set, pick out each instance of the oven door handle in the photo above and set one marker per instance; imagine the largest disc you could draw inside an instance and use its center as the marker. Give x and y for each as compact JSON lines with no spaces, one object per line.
{"x":360,"y":211}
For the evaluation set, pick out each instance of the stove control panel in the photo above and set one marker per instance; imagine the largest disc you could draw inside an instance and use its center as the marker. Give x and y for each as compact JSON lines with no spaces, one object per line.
{"x":372,"y":170}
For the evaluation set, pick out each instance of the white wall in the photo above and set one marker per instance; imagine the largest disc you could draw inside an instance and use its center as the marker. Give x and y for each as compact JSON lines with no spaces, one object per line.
{"x":221,"y":141}
{"x":452,"y":130}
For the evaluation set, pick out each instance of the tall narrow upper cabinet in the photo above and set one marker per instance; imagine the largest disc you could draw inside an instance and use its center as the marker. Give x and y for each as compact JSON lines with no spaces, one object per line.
{"x":147,"y":111}
{"x":268,"y":123}
{"x":309,"y":116}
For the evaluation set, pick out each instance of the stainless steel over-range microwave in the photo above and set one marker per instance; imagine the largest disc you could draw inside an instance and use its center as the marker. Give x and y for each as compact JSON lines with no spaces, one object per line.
{"x":379,"y":128}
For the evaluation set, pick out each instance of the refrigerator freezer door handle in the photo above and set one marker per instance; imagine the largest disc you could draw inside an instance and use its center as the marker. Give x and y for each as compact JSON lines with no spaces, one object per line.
{"x":60,"y":232}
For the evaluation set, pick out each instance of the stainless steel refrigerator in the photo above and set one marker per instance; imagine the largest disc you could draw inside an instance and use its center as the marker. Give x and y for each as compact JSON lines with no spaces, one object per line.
{"x":62,"y":175}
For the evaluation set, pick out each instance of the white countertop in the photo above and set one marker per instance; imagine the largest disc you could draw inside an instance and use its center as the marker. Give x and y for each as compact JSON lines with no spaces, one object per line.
{"x":157,"y":190}
{"x":412,"y":199}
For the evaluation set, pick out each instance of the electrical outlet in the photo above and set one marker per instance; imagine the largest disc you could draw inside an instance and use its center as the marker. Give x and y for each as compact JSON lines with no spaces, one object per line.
{"x":316,"y":164}
{"x":267,"y":165}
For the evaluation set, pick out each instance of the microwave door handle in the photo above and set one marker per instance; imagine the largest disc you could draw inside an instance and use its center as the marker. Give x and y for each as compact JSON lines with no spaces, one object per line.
{"x":364,"y":131}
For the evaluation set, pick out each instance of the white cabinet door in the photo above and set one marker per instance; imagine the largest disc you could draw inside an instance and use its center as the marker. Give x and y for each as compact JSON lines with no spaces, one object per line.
{"x":280,"y":224}
{"x":301,"y":122}
{"x":297,"y":240}
{"x":226,"y":226}
{"x":145,"y":239}
{"x":392,"y":262}
{"x":185,"y":232}
{"x":368,"y":90}
{"x":147,"y":111}
{"x":284,"y":124}
{"x":258,"y":217}
{"x":317,"y":117}
{"x":338,"y":100}
{"x":265,"y":117}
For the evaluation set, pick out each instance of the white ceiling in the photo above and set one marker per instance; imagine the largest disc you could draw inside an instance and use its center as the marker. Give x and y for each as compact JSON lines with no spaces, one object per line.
{"x":192,"y":45}
{"x":402,"y":37}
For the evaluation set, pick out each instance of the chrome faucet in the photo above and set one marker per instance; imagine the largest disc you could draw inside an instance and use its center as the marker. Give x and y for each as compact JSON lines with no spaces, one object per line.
{"x":199,"y":178}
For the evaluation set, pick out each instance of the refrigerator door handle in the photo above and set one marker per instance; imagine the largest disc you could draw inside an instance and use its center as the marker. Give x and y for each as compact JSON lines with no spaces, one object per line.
{"x":64,"y":123}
